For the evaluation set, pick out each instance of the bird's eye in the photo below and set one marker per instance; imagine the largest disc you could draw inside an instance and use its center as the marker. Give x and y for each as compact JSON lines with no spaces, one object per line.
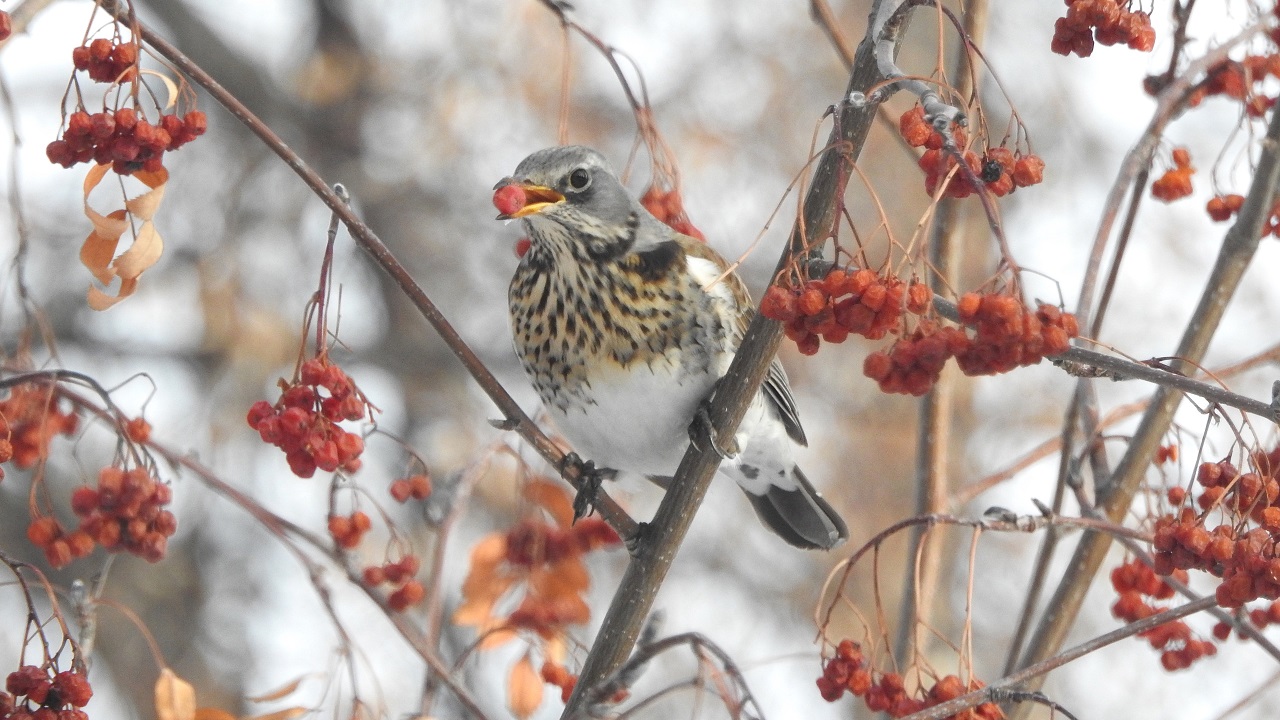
{"x":579,"y":179}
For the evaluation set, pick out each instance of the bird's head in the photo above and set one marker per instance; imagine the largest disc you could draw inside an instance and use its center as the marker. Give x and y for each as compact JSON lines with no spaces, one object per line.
{"x":571,"y":195}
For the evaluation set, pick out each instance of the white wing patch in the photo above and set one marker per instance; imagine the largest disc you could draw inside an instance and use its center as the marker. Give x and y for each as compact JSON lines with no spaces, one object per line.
{"x":711,"y":277}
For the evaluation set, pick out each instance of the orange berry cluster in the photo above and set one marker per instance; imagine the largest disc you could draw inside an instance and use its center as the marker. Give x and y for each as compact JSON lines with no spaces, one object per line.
{"x":1245,"y":558}
{"x":29,"y":419}
{"x":1135,"y":580}
{"x":399,"y":573}
{"x":861,"y":303}
{"x":553,"y":673}
{"x":535,"y":542}
{"x":107,"y":62}
{"x":668,"y":206}
{"x":124,"y":512}
{"x":1241,"y":80}
{"x":914,"y":363}
{"x":1224,"y":207}
{"x":31,"y":694}
{"x":124,"y":138}
{"x":416,"y":486}
{"x":348,"y":530}
{"x":1008,"y":334}
{"x":1176,"y":182}
{"x":304,"y":423}
{"x":848,"y":670}
{"x":1109,"y":22}
{"x":1000,"y":169}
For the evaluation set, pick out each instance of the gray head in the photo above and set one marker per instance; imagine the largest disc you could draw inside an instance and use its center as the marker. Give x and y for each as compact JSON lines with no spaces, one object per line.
{"x":572,"y":201}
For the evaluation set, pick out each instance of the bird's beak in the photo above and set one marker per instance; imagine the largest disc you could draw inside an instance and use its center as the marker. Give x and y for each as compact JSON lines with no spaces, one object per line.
{"x":516,"y":199}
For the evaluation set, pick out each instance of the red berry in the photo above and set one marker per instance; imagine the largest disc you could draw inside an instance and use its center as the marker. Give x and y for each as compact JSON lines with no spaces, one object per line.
{"x":509,"y":199}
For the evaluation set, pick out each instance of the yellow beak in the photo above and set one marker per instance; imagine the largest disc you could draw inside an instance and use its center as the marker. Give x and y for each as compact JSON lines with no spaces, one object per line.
{"x":536,"y":199}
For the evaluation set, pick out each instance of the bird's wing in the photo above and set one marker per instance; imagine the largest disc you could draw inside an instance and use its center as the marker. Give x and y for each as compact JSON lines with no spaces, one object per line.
{"x":776,"y":387}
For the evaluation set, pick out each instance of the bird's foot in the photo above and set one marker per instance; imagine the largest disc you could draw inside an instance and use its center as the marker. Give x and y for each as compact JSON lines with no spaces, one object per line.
{"x":702,"y":432}
{"x":637,"y":539}
{"x":590,"y":478}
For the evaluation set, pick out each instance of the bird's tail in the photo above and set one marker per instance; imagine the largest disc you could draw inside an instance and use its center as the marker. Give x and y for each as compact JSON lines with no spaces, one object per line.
{"x":800,"y":516}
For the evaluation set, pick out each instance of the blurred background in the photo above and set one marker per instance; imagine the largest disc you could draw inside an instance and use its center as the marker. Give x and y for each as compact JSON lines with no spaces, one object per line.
{"x":419,"y":107}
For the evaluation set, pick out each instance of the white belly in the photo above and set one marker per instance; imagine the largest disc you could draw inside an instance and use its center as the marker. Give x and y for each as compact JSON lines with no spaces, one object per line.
{"x":638,"y":420}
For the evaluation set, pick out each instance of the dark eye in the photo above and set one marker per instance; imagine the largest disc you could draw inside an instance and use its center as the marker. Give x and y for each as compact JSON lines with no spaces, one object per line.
{"x":579,"y":179}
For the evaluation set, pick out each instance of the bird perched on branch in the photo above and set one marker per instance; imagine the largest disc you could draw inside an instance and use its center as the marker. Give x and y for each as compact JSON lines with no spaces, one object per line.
{"x":624,"y":326}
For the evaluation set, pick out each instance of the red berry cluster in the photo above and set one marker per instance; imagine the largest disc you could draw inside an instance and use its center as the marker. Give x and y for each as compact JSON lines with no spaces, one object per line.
{"x":1224,"y":207}
{"x":1008,"y":334}
{"x":914,"y":364}
{"x":1246,"y":558}
{"x":534,"y":542}
{"x":29,"y":419}
{"x":6,"y":26}
{"x":668,"y":206}
{"x":1134,"y":581}
{"x":553,"y":673}
{"x":399,"y":573}
{"x":348,"y":530}
{"x":417,"y":487}
{"x":550,"y":557}
{"x":123,"y":138}
{"x":1000,"y":169}
{"x":1240,"y":80}
{"x":1110,"y":22}
{"x":31,"y":694}
{"x":861,"y":303}
{"x":304,"y":422}
{"x":107,"y":62}
{"x":1176,"y":182}
{"x":848,"y":670}
{"x":126,"y":512}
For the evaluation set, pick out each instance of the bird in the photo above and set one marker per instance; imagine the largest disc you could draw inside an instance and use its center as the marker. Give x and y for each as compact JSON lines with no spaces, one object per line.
{"x":624,"y":327}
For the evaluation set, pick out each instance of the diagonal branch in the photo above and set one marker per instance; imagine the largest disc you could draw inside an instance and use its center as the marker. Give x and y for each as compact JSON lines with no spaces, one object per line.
{"x":653,"y":555}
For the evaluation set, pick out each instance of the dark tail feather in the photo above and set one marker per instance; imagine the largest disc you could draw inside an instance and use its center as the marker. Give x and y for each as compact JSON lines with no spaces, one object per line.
{"x":801,"y":516}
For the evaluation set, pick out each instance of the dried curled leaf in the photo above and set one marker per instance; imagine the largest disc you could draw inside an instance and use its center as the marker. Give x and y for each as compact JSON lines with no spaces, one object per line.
{"x":283,"y":691}
{"x":524,"y":689}
{"x":98,"y":253}
{"x":175,"y":697}
{"x":213,"y":714}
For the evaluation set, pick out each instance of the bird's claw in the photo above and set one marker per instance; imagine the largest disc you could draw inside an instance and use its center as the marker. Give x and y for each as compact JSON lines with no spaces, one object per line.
{"x":634,"y":541}
{"x":702,"y":433}
{"x":590,"y":478}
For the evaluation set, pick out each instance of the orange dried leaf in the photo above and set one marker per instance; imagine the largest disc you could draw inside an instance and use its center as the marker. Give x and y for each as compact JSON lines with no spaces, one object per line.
{"x":100,"y":247}
{"x":175,"y":697}
{"x":552,"y":497}
{"x":496,"y":636}
{"x":565,"y":577}
{"x":286,"y":714}
{"x":285,"y":690}
{"x":524,"y":689}
{"x":213,"y":714}
{"x":144,"y":253}
{"x":99,"y":300}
